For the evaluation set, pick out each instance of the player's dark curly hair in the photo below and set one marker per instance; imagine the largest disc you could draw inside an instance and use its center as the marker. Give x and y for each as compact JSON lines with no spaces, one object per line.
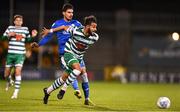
{"x":90,"y":19}
{"x":67,"y":6}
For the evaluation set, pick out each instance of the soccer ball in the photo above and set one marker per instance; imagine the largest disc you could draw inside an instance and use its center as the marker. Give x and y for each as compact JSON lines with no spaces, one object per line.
{"x":163,"y":102}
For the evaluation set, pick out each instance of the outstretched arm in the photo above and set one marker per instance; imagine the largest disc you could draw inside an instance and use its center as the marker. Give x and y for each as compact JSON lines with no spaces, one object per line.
{"x":59,"y":28}
{"x":43,"y":41}
{"x":45,"y":31}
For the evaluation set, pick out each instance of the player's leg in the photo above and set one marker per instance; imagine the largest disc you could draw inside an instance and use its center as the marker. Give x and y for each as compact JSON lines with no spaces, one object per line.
{"x":85,"y":84}
{"x":75,"y":86}
{"x":72,"y":76}
{"x":7,"y":71}
{"x":7,"y":78}
{"x":19,"y":60}
{"x":55,"y":85}
{"x":12,"y":75}
{"x":17,"y":83}
{"x":10,"y":81}
{"x":73,"y":63}
{"x":85,"y":87}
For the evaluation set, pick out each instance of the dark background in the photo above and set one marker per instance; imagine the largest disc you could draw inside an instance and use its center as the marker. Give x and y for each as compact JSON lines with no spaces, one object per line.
{"x":130,"y":32}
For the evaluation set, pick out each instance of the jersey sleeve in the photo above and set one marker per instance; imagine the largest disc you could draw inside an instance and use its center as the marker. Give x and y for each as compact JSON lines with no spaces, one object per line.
{"x":6,"y":32}
{"x":71,"y":29}
{"x":78,"y":24}
{"x":5,"y":35}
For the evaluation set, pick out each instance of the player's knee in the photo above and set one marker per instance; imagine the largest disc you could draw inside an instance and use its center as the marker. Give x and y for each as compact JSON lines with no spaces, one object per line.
{"x":18,"y":71}
{"x":77,"y":66}
{"x":77,"y":71}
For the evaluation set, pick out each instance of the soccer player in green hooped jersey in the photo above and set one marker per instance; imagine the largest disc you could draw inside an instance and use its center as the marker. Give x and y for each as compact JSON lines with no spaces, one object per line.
{"x":17,"y":35}
{"x":75,"y":48}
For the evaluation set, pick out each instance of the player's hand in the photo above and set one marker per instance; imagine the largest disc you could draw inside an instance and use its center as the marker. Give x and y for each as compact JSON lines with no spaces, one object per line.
{"x":45,"y":31}
{"x":34,"y":44}
{"x":34,"y":33}
{"x":11,"y":34}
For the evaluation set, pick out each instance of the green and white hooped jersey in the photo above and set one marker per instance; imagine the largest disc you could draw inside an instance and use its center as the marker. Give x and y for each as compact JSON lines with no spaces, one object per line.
{"x":17,"y":46}
{"x":78,"y":43}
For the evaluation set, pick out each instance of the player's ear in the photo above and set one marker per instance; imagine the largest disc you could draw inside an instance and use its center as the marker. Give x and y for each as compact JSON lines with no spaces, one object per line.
{"x":63,"y":13}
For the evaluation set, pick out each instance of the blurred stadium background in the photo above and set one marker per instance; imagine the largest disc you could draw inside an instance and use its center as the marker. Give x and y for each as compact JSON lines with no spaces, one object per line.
{"x":135,"y":35}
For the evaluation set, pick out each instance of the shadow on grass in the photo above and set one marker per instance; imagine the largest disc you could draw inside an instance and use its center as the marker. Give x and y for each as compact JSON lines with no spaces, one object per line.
{"x":35,"y":99}
{"x":101,"y":108}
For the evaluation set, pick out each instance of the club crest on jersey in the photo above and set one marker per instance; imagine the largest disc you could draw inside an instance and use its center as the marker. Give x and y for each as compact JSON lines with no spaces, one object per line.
{"x":19,"y":37}
{"x":80,"y":46}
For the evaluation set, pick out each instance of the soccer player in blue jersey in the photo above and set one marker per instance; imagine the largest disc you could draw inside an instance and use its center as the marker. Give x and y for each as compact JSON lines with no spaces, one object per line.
{"x":63,"y":37}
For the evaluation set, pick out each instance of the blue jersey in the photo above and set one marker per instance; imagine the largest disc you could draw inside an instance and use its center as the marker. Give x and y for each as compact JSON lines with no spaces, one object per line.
{"x":62,"y":36}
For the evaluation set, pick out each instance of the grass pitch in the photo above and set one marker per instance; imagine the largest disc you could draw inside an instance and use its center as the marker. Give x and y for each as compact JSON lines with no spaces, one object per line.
{"x":108,"y":96}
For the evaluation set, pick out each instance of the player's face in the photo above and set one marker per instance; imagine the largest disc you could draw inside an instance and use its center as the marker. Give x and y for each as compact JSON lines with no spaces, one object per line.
{"x":68,"y":14}
{"x":18,"y":22}
{"x":92,"y":28}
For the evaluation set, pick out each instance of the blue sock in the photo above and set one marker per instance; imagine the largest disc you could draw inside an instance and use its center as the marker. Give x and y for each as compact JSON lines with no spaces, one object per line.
{"x":85,"y":86}
{"x":75,"y":85}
